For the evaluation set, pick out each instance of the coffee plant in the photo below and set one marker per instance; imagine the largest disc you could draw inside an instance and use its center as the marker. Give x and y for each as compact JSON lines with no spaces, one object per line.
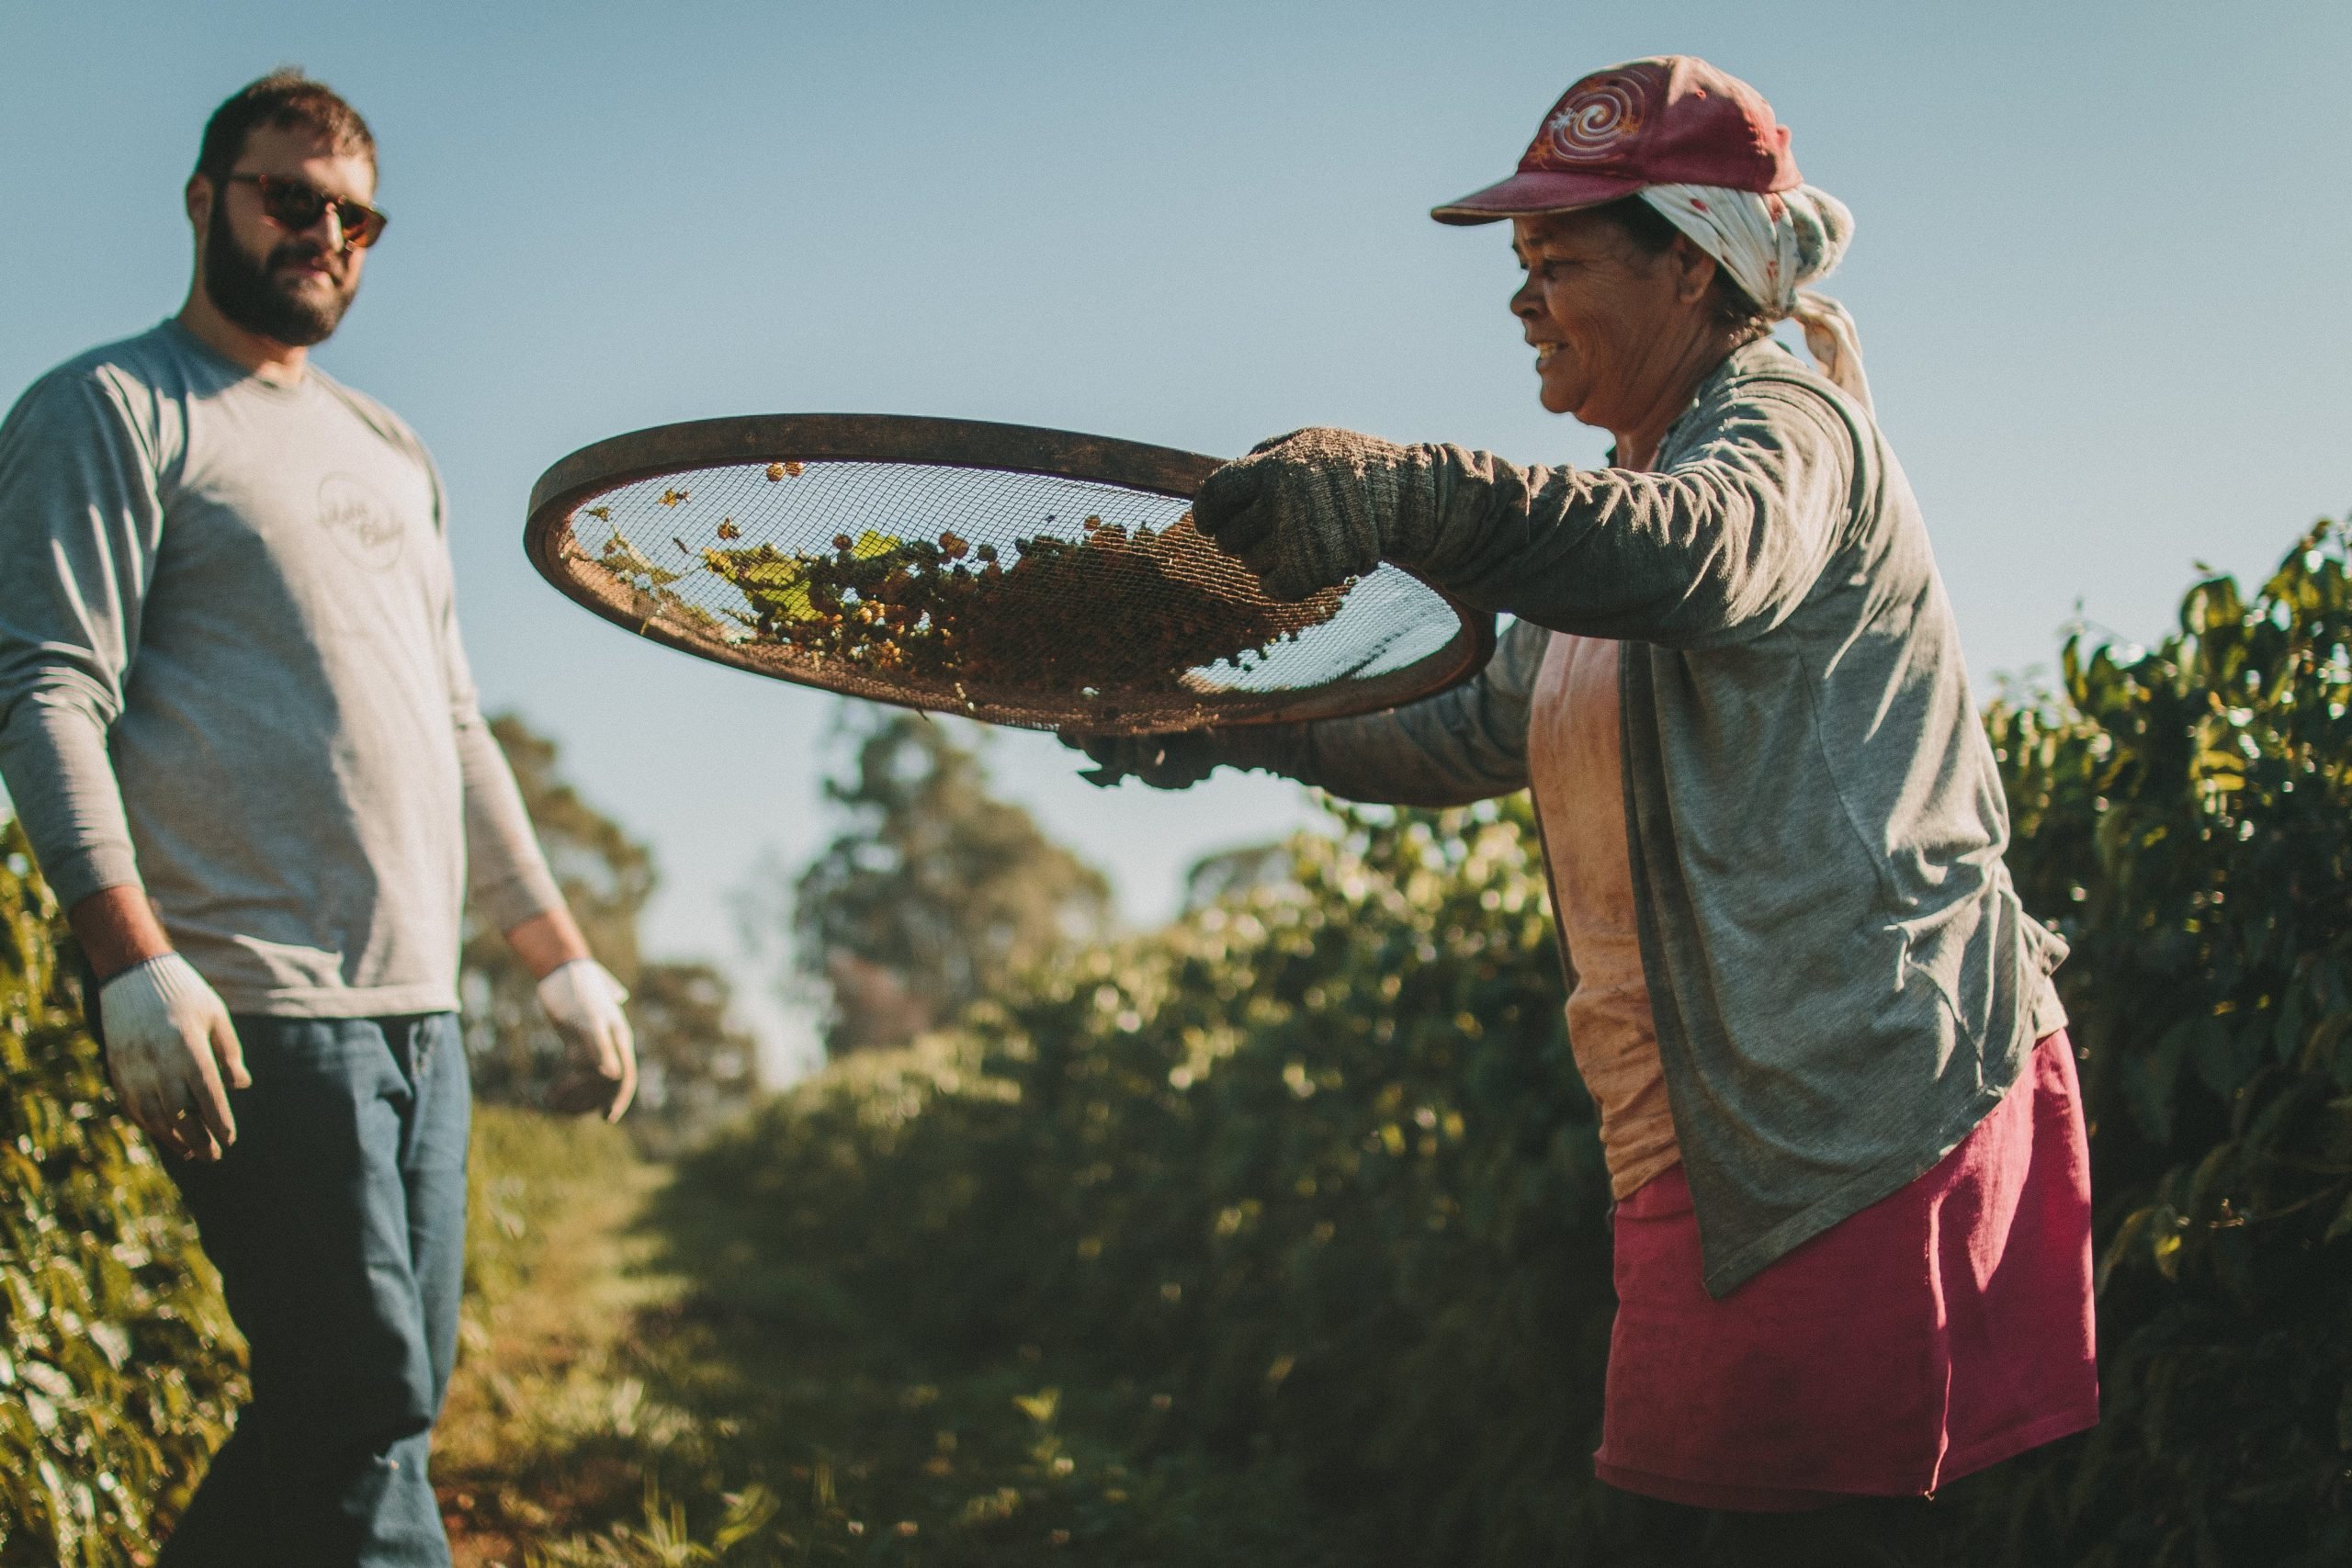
{"x":1315,"y":1160}
{"x":2184,"y":813}
{"x":119,"y":1367}
{"x":1309,"y":1174}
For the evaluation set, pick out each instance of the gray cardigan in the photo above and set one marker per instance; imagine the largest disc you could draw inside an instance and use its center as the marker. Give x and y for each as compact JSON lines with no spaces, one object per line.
{"x":1843,"y":979}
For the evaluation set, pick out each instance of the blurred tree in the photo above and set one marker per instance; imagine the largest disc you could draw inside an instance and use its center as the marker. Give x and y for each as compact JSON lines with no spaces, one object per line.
{"x":694,"y":1067}
{"x":606,"y":876}
{"x":1236,"y":873}
{"x":935,"y":895}
{"x":694,"y":1064}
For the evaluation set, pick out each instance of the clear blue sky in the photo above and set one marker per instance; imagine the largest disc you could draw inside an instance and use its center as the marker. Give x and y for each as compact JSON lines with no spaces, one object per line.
{"x":2101,"y":273}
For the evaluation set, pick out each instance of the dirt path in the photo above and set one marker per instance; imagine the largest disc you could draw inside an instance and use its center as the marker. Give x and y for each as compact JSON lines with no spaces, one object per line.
{"x":751,"y":1411}
{"x":538,"y":1380}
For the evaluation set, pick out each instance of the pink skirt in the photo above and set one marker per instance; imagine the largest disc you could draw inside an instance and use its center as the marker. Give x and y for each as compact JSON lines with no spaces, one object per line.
{"x":1940,"y":1330}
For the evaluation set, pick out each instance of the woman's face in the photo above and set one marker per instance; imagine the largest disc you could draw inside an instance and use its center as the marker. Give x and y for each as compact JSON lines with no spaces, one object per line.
{"x":1610,"y":324}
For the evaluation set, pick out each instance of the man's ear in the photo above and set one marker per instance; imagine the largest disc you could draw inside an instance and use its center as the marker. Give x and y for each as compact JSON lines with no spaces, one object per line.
{"x":198,"y":196}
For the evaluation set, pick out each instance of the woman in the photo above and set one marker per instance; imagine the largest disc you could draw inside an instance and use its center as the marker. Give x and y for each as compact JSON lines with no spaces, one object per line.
{"x":1838,"y":1107}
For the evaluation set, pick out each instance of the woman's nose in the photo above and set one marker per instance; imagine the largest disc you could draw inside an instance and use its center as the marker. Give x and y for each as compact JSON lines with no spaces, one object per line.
{"x":1526,"y":300}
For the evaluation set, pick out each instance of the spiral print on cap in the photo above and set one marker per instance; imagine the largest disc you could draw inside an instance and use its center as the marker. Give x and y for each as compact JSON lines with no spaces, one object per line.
{"x":1593,"y":120}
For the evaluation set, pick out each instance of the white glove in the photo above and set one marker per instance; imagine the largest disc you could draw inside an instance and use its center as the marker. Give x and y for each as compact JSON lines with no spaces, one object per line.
{"x":169,"y":1046}
{"x":583,"y":1001}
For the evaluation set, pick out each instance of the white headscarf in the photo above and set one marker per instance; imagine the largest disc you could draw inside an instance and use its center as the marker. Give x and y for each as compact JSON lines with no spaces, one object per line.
{"x":1772,"y":244}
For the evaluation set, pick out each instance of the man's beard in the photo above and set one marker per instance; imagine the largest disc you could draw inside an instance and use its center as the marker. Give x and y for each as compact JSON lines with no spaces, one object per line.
{"x":244,"y":289}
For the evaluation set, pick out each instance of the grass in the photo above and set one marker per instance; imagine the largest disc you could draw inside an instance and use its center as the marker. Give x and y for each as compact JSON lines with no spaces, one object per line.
{"x":542,"y":1433}
{"x":626,"y":1399}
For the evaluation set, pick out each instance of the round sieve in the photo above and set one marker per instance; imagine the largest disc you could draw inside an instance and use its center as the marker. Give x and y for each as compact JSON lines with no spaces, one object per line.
{"x":1015,"y":575}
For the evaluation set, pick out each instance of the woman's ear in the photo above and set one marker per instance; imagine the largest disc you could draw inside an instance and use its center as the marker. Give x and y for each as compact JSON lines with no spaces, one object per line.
{"x":1696,"y":270}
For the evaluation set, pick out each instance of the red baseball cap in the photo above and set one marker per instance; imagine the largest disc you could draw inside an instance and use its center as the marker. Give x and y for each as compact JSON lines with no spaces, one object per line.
{"x":1673,"y":120}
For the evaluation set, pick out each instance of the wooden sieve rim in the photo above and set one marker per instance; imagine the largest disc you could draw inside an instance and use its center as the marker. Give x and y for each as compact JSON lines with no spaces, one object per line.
{"x":695,"y":445}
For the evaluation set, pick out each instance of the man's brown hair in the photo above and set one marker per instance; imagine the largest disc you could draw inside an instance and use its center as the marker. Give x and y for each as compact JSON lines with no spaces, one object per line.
{"x":284,"y":98}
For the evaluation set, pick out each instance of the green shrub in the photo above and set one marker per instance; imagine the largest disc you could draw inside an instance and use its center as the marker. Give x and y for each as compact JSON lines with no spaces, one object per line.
{"x":2186,"y":813}
{"x":119,"y":1367}
{"x":1315,"y":1158}
{"x":1314,"y":1165}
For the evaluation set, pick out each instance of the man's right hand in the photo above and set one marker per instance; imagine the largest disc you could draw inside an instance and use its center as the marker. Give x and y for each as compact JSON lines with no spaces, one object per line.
{"x":170,"y":1049}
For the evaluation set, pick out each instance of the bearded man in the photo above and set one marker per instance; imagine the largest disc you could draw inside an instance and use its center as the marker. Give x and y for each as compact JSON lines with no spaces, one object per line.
{"x":240,"y":730}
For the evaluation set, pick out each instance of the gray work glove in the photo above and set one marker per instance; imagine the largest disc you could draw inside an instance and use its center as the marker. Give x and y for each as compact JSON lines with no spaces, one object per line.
{"x":173,"y":1055}
{"x":1183,"y":760}
{"x":1308,"y":511}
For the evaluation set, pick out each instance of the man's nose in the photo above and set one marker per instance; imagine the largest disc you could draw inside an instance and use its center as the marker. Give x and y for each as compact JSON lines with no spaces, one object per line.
{"x":330,"y":222}
{"x":1526,"y":300}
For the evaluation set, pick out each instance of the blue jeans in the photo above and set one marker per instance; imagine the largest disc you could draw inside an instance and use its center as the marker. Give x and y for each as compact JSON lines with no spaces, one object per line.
{"x":337,"y":1222}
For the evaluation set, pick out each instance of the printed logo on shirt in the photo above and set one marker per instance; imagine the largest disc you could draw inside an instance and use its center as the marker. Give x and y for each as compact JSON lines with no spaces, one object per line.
{"x":366,"y":529}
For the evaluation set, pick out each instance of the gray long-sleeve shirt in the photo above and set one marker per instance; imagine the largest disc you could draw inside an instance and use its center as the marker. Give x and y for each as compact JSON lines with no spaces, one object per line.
{"x":1843,"y":979}
{"x":229,"y":671}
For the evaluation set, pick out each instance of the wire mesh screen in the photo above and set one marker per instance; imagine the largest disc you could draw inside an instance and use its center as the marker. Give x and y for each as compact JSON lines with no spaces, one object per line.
{"x":1035,"y":599}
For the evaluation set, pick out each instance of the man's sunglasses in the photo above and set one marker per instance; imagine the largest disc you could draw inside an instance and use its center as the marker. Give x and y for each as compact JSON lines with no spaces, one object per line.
{"x":298,"y":205}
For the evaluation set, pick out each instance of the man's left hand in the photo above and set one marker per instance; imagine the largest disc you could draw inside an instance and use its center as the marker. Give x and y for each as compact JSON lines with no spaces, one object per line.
{"x":583,"y":1001}
{"x":1308,"y":511}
